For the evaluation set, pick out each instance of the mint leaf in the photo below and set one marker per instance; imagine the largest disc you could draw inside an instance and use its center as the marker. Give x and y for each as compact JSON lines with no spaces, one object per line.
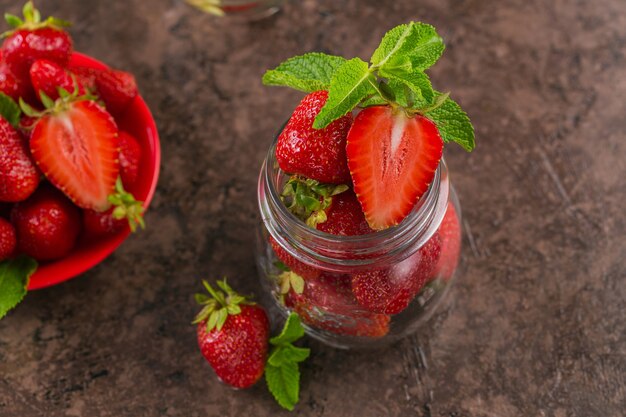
{"x":284,"y":383}
{"x":9,"y":109}
{"x":352,"y":83}
{"x":292,"y":331}
{"x":14,"y":277}
{"x":417,"y":43}
{"x":453,"y":124}
{"x":417,"y":81}
{"x":309,"y":72}
{"x":288,"y":353}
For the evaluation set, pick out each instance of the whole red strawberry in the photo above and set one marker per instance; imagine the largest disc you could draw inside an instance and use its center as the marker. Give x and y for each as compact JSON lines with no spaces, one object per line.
{"x":19,"y":176}
{"x":8,"y":240}
{"x":47,"y":224}
{"x":31,"y":39}
{"x":48,"y":77}
{"x":86,"y":76}
{"x":130,"y":159}
{"x":450,"y":233}
{"x":304,"y":270}
{"x":14,"y":86}
{"x":327,"y":303}
{"x":390,"y":290}
{"x":344,"y":216}
{"x":319,"y":154}
{"x":97,"y":224}
{"x":233,"y":335}
{"x":117,"y":89}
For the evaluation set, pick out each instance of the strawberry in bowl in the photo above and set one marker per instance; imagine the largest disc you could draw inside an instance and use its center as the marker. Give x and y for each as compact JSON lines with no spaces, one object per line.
{"x":80,"y":155}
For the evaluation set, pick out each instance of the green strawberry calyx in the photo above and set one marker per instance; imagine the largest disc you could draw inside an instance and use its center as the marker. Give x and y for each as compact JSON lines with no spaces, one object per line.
{"x":218,"y":305}
{"x":32,"y":20}
{"x":55,"y":107}
{"x":308,"y":199}
{"x":126,"y":207}
{"x":395,"y":76}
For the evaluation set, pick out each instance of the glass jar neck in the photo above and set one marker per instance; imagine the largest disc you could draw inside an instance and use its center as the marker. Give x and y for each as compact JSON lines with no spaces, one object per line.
{"x":342,"y":253}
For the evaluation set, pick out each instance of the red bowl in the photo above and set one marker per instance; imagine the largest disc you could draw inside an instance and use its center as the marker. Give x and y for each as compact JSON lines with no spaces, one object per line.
{"x":137,"y":121}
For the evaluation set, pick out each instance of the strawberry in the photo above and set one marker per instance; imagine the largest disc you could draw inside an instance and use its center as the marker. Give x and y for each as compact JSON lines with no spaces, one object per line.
{"x":319,"y":154}
{"x":75,"y":145}
{"x":233,"y":335}
{"x":31,"y":39}
{"x":47,"y":224}
{"x":97,"y":224}
{"x":392,"y":159}
{"x":117,"y":89}
{"x":390,"y":290}
{"x":48,"y":77}
{"x":450,"y":233}
{"x":19,"y":176}
{"x":130,"y":159}
{"x":86,"y":76}
{"x":26,"y":126}
{"x":344,"y":216}
{"x":327,"y":303}
{"x":299,"y":267}
{"x":8,"y":241}
{"x":14,"y":86}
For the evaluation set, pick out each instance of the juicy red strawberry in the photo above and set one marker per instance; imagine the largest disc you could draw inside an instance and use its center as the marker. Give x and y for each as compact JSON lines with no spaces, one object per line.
{"x":130,"y":158}
{"x":13,"y":85}
{"x":86,"y":76}
{"x":297,"y":266}
{"x":96,"y":224}
{"x":319,"y":154}
{"x":24,"y":46}
{"x":236,"y":348}
{"x":390,"y":290}
{"x":345,"y":217}
{"x":117,"y":89}
{"x":77,"y":151}
{"x":19,"y":176}
{"x":8,"y":240}
{"x":47,"y":224}
{"x":392,"y":160}
{"x":26,"y":126}
{"x":328,"y":304}
{"x":48,"y":77}
{"x":450,"y":233}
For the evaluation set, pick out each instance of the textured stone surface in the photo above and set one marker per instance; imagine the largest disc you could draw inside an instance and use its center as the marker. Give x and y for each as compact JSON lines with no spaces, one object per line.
{"x":534,"y":327}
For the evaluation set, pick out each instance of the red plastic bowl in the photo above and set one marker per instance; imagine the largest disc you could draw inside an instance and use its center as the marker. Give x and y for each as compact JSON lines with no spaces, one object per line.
{"x":137,"y":121}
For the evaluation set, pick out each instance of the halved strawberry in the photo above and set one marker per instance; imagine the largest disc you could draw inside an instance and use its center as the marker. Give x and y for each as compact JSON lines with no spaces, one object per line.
{"x":392,"y":159}
{"x":76,"y":148}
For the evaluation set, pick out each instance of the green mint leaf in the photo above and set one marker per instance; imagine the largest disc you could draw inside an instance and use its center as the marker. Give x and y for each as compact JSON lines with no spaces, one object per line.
{"x":288,"y":353}
{"x":284,"y":383}
{"x":292,"y":331}
{"x":9,"y":109}
{"x":352,"y":83}
{"x":416,"y":42}
{"x":375,"y":100}
{"x":14,"y":277}
{"x":453,"y":124}
{"x":417,"y":81}
{"x":309,"y":72}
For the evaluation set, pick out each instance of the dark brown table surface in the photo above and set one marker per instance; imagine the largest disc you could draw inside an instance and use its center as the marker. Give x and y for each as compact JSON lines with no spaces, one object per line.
{"x":534,"y":327}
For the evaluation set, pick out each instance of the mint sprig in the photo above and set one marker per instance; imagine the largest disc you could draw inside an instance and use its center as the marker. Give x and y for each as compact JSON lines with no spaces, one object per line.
{"x":395,"y":76}
{"x":282,"y":373}
{"x":14,"y":277}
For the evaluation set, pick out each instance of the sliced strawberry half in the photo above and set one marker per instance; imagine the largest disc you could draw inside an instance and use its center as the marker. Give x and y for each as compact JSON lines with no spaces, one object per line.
{"x":392,"y":159}
{"x":76,"y":148}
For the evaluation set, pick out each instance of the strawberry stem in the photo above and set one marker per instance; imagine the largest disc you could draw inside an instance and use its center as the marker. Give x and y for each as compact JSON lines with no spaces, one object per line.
{"x":218,"y":305}
{"x":308,"y":199}
{"x":32,"y":20}
{"x":126,"y":207}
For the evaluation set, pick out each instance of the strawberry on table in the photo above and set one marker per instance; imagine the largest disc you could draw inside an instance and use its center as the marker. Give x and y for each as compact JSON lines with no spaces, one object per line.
{"x":319,"y":154}
{"x":8,"y":240}
{"x":47,"y":224}
{"x":32,"y":39}
{"x":48,"y":77}
{"x":19,"y":176}
{"x":232,"y":334}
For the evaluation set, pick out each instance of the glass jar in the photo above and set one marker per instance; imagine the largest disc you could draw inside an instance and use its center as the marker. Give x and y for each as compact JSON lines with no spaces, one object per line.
{"x":358,"y":291}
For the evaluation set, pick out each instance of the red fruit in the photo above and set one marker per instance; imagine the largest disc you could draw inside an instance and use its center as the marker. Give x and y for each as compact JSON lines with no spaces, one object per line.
{"x":19,"y":176}
{"x":319,"y":154}
{"x":392,"y":160}
{"x":47,"y":224}
{"x":77,"y":150}
{"x":327,"y":303}
{"x":450,"y":234}
{"x":48,"y":77}
{"x":236,"y":347}
{"x":8,"y":240}
{"x":295,"y":265}
{"x":24,"y":46}
{"x":130,"y":159}
{"x":96,"y":224}
{"x":117,"y":89}
{"x":344,"y":216}
{"x":86,"y":76}
{"x":13,"y":85}
{"x":390,"y":290}
{"x":26,"y":126}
